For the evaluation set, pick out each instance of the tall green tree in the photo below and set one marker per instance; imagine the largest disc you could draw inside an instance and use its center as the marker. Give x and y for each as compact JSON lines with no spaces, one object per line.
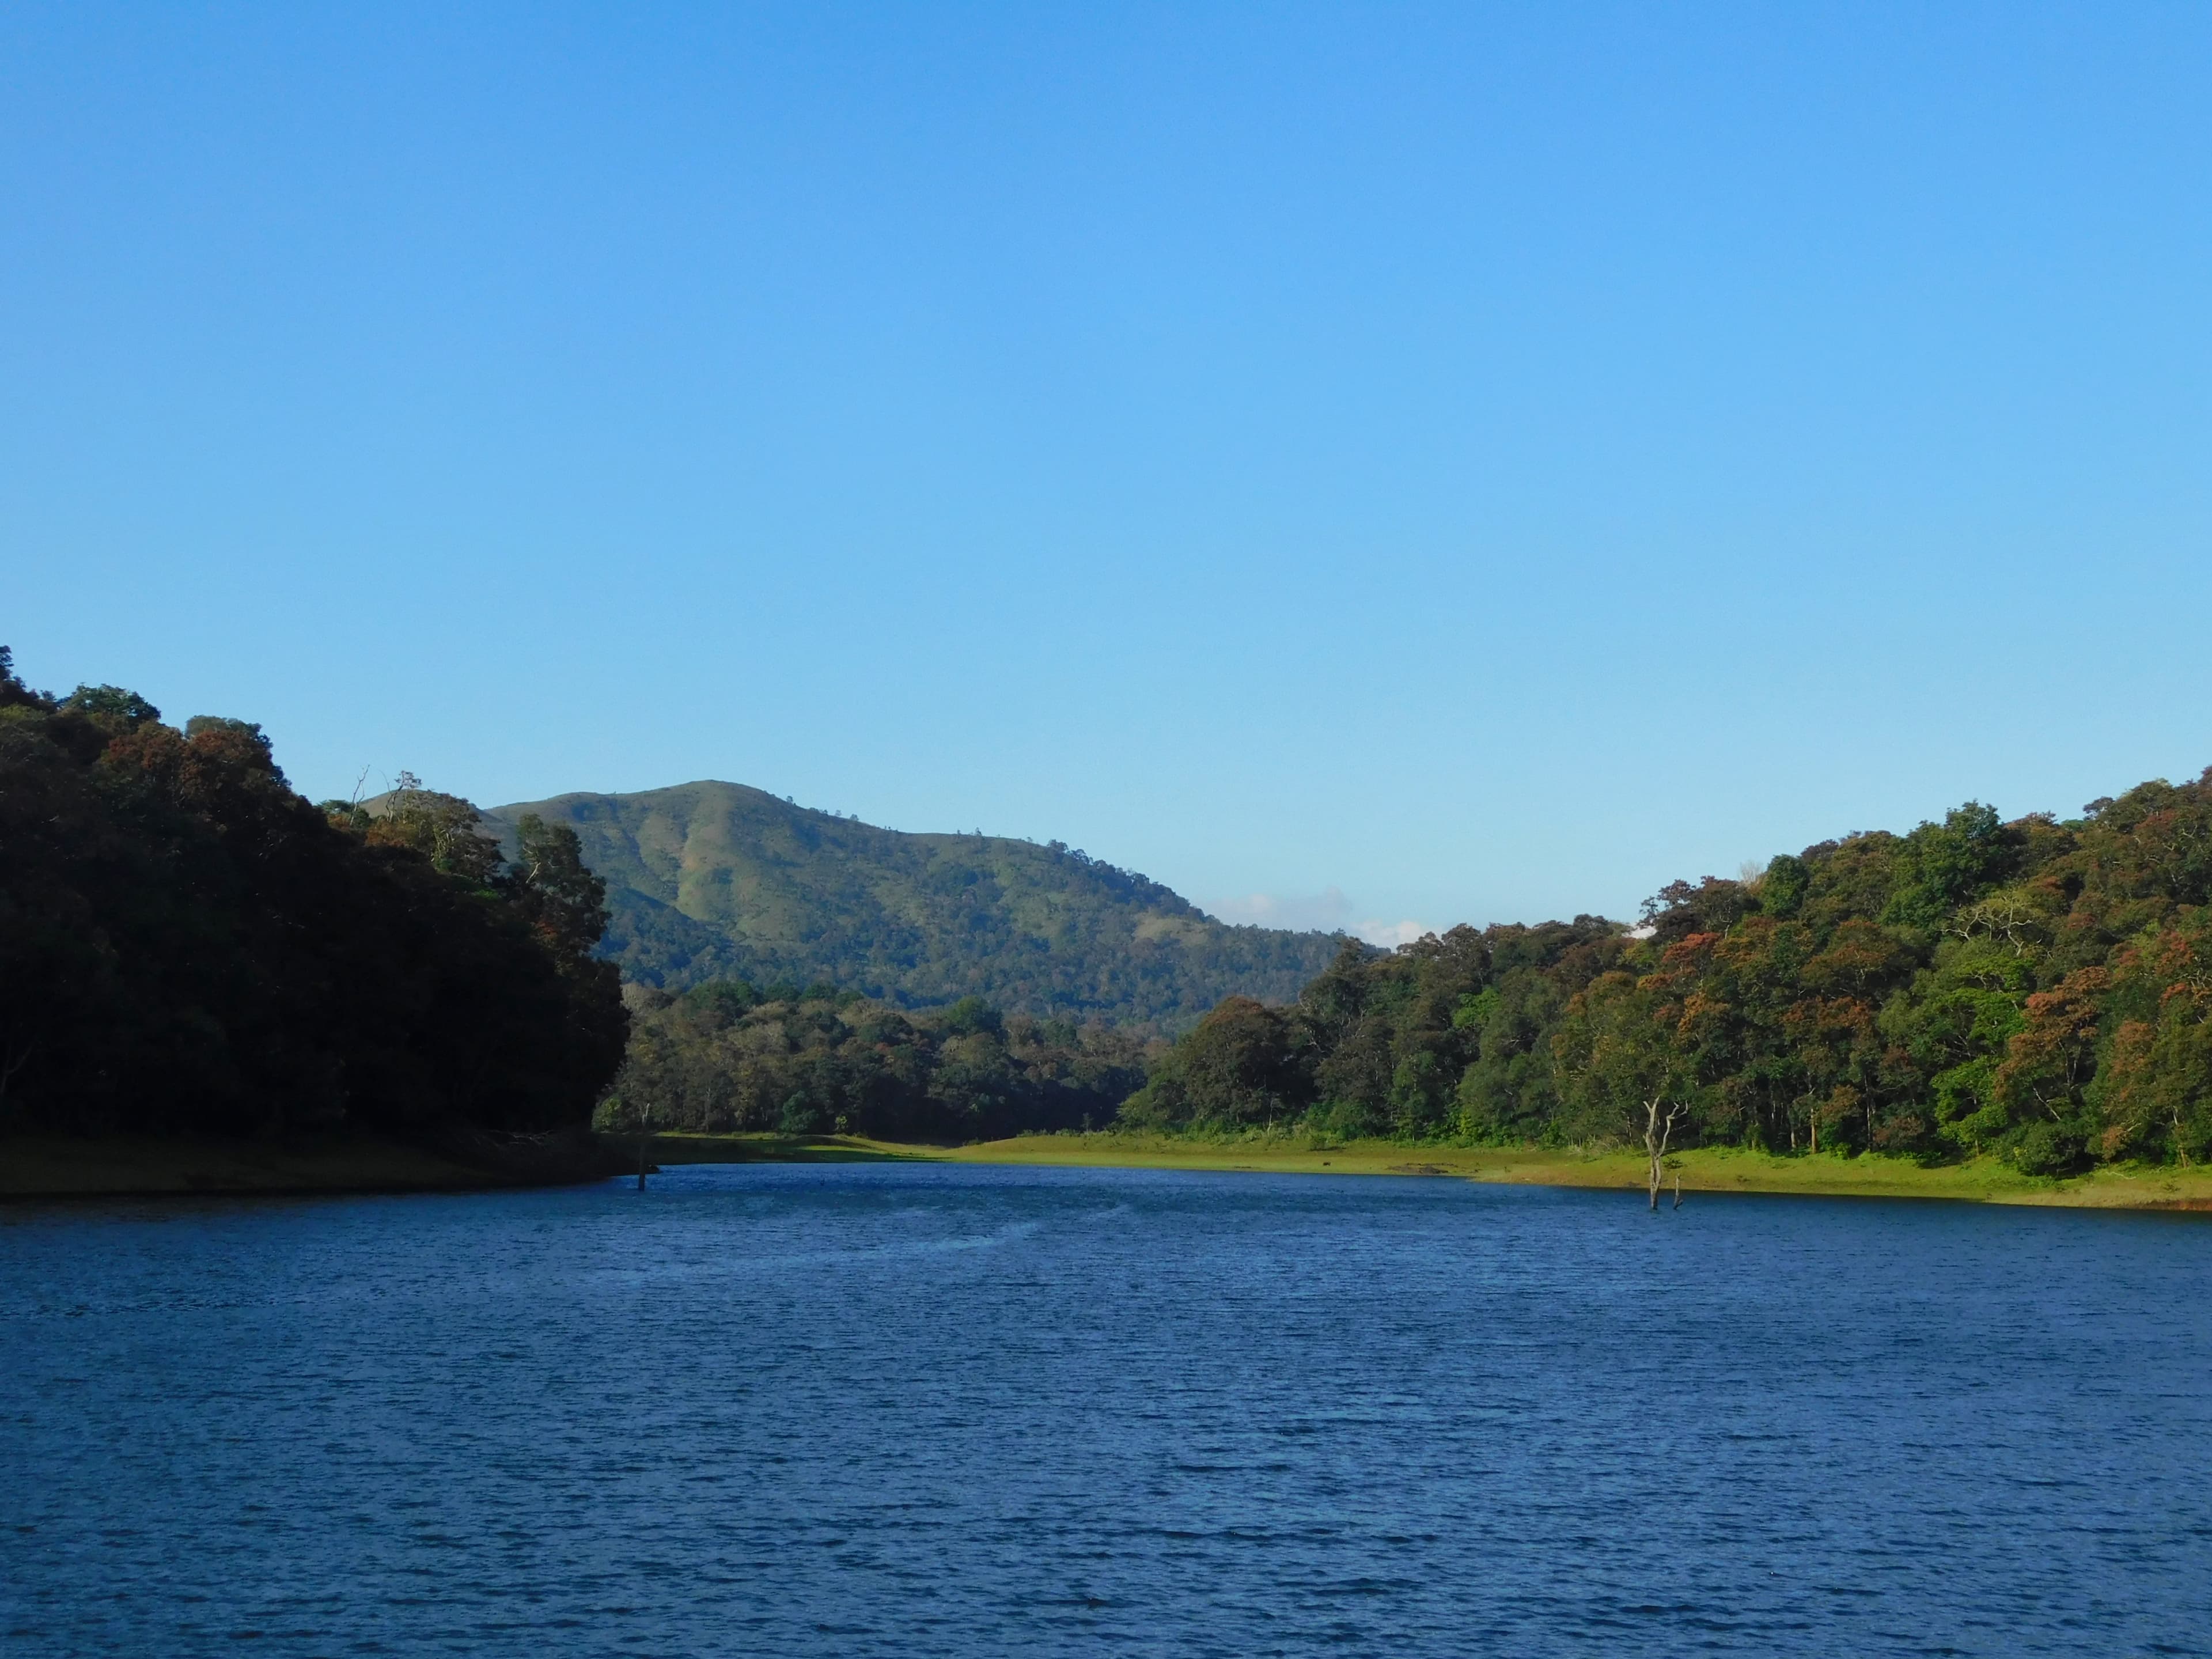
{"x":188,"y":945}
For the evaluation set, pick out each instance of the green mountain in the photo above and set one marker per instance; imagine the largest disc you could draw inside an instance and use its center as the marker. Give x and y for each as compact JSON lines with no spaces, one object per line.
{"x":712,"y":881}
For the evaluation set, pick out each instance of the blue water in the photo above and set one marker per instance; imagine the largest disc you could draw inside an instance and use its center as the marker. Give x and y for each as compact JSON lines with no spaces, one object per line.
{"x":927,"y":1410}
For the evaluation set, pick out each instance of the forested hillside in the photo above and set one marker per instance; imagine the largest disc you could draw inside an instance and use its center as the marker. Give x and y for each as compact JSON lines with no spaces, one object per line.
{"x":188,"y":945}
{"x":2039,"y":989}
{"x":714,"y":881}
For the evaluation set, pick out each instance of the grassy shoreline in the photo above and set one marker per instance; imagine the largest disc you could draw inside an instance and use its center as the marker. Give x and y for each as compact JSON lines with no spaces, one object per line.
{"x":36,"y":1168}
{"x":1706,"y":1170}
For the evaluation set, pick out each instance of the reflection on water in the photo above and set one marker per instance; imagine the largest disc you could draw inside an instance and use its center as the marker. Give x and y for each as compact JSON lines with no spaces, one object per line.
{"x":854,"y":1409}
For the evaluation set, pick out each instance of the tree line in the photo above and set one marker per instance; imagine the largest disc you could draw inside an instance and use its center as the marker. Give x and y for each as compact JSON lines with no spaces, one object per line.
{"x":2037,"y":989}
{"x":188,"y":945}
{"x":727,"y":1056}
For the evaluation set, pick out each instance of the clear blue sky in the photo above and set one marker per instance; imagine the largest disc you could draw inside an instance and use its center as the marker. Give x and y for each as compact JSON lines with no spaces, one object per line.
{"x":1485,"y":460}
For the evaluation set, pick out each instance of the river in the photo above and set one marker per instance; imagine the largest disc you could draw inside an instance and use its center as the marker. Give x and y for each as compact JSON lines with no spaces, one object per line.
{"x":922,"y":1409}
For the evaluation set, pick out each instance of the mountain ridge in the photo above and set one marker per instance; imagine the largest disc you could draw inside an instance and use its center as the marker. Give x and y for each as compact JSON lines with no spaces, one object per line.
{"x":711,"y":879}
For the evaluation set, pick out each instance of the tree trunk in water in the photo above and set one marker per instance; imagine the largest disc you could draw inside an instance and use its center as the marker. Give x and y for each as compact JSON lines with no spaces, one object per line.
{"x":1656,"y":1132}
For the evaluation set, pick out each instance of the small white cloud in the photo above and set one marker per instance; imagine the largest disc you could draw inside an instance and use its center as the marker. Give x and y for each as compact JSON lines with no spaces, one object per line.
{"x":1391,"y":933}
{"x":1327,"y":911}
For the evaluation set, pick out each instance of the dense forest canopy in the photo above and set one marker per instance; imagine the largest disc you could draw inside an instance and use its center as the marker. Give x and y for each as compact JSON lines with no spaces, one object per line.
{"x":728,"y":1056}
{"x":2037,"y":989}
{"x":188,"y":945}
{"x":713,"y":881}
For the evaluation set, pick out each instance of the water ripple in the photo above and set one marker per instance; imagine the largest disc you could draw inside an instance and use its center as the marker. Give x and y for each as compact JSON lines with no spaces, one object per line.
{"x":862,"y":1410}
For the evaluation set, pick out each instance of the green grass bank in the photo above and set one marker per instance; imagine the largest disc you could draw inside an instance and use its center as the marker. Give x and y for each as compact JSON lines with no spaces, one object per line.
{"x":33,"y":1168}
{"x":1706,"y":1170}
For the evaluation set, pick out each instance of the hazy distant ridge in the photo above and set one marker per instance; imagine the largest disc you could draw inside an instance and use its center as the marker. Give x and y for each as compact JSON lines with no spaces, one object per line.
{"x":715,"y":880}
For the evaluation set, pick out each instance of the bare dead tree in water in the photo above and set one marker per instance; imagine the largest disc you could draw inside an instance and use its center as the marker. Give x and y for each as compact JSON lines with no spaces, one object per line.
{"x":1658,"y":1130}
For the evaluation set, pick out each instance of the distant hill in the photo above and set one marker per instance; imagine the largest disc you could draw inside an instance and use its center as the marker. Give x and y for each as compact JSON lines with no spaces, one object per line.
{"x":718,"y":881}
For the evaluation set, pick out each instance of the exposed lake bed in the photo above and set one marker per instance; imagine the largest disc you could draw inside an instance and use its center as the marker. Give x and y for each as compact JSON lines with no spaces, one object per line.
{"x":907,"y":1407}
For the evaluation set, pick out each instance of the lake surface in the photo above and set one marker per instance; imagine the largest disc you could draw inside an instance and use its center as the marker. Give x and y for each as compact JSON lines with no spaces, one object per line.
{"x":918,"y":1410}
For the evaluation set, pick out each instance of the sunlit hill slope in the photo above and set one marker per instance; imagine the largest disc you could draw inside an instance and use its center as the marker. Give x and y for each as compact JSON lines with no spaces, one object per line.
{"x":718,"y":881}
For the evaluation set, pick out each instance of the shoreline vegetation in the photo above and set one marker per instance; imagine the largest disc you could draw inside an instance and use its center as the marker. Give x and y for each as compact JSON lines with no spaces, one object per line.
{"x":53,"y":1167}
{"x":2035,"y":991}
{"x":1986,"y":1180}
{"x":209,"y":983}
{"x":192,"y":954}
